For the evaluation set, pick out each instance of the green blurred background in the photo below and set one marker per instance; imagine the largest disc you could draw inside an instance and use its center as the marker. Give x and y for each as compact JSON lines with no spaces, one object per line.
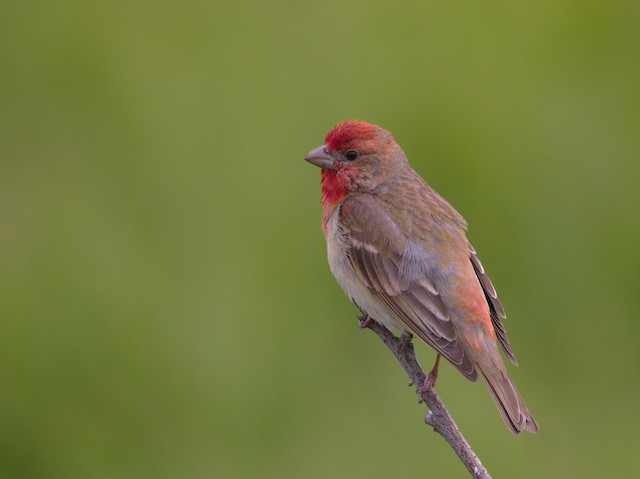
{"x":166,"y":306}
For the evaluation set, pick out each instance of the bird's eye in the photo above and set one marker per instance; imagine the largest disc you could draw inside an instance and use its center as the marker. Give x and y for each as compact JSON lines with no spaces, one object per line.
{"x":351,"y":155}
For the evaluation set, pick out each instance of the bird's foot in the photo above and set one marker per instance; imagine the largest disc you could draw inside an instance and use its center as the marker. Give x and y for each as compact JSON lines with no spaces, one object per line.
{"x":364,"y":321}
{"x":431,"y":378}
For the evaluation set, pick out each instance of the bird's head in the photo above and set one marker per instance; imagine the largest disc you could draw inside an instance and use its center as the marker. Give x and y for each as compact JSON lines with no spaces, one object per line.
{"x":356,"y":157}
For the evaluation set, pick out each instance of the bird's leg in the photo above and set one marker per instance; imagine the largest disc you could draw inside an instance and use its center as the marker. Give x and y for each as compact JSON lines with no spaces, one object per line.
{"x":431,"y":378}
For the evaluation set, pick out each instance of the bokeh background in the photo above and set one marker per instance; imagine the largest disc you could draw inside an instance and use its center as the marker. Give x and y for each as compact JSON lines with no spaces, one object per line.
{"x":166,"y":309}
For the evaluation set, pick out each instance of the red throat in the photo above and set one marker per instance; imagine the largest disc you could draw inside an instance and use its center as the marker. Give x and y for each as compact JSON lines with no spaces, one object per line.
{"x":335,"y":187}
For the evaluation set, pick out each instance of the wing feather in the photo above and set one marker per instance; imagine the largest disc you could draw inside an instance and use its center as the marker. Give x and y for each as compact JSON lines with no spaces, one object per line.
{"x":495,"y":306}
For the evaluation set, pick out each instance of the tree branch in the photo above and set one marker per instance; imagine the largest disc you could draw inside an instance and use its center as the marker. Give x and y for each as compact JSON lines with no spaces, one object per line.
{"x":438,"y":416}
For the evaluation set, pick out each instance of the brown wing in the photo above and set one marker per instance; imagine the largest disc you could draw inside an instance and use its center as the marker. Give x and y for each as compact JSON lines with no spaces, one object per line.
{"x":374,"y":250}
{"x":495,"y":306}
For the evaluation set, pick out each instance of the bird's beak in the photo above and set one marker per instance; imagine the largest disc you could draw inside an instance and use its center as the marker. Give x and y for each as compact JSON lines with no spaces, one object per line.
{"x":321,"y":158}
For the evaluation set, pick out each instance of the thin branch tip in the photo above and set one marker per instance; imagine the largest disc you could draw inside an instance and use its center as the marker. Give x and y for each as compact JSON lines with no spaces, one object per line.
{"x":437,"y":416}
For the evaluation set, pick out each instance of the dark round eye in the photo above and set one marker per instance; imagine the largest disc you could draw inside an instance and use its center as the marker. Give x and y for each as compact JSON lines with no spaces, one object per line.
{"x":351,"y":155}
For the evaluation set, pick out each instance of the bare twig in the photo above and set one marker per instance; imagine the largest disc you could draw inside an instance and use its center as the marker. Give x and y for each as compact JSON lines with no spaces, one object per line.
{"x":437,"y":417}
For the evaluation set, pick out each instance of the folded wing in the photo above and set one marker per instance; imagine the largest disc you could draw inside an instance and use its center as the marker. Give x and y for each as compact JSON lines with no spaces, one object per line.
{"x":375,"y":249}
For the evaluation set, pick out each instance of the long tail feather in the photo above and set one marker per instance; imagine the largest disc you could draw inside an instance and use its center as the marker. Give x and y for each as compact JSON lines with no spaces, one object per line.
{"x":510,"y":404}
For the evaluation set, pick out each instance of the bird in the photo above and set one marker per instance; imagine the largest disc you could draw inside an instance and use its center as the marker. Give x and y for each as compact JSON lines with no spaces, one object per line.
{"x":400,"y":253}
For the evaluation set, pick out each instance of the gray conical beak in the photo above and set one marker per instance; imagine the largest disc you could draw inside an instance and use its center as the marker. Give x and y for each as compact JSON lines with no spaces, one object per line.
{"x":320,"y":157}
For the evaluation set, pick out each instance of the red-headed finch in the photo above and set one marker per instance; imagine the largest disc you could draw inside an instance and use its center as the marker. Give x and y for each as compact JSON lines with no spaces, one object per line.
{"x":400,"y":253}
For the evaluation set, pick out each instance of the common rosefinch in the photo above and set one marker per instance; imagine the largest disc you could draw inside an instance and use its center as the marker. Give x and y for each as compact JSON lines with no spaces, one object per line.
{"x":400,"y":253}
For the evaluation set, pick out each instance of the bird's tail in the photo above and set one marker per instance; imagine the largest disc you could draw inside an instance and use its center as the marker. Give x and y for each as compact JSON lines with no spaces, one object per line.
{"x":508,"y":399}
